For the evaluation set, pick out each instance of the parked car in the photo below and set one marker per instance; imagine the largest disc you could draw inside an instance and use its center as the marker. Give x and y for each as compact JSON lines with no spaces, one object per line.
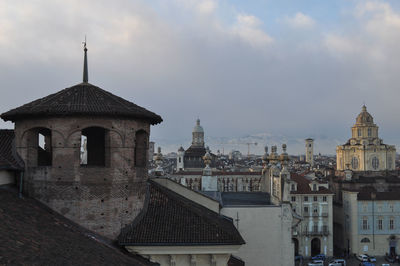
{"x":319,"y":257}
{"x":362,"y":257}
{"x":316,"y":263}
{"x":390,"y":259}
{"x":371,"y":258}
{"x":337,"y":262}
{"x":367,"y":263}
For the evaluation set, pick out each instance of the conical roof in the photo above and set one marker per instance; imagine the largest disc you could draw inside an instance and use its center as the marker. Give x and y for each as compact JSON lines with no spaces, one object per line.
{"x":83,"y":99}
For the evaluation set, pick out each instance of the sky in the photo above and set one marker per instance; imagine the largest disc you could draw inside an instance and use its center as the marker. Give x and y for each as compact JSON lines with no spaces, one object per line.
{"x":286,"y":70}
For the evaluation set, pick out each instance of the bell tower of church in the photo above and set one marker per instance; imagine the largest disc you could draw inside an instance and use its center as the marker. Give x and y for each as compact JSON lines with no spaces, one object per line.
{"x":198,"y":135}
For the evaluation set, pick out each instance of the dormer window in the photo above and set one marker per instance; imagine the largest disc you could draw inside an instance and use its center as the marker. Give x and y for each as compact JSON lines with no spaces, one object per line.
{"x":293,"y":187}
{"x":314,"y":188}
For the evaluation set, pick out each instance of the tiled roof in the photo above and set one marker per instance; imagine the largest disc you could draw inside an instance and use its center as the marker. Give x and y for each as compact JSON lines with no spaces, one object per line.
{"x":303,"y":186}
{"x":8,"y":157}
{"x":387,"y":195}
{"x":245,"y":199}
{"x":81,"y":99}
{"x":32,"y":234}
{"x":169,"y":219}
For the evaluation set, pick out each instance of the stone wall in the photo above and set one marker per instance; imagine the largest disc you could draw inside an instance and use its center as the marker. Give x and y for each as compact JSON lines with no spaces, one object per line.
{"x":101,"y":198}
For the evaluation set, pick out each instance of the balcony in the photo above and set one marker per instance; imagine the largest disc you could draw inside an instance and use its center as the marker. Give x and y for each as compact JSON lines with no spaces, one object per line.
{"x":316,"y":233}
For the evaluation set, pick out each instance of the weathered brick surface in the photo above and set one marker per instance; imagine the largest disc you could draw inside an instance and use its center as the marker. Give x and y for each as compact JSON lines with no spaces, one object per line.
{"x":103,"y":199}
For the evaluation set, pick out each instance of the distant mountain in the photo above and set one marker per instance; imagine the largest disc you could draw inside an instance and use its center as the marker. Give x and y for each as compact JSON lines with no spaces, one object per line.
{"x":295,"y":145}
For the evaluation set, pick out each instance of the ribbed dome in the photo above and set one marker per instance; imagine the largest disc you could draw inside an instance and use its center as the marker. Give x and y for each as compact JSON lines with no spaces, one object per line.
{"x":364,"y":117}
{"x":197,"y":128}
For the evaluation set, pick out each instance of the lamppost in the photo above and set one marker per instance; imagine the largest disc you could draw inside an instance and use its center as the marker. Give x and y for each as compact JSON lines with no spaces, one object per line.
{"x":373,"y":197}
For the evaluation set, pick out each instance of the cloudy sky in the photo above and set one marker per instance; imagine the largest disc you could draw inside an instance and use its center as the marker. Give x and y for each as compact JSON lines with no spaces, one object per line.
{"x":282,"y":68}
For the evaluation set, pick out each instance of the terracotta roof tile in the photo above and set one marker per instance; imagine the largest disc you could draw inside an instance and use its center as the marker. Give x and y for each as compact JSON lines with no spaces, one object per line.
{"x":303,"y":186}
{"x":33,"y":234}
{"x":81,"y":99}
{"x":9,"y":159}
{"x":170,"y":219}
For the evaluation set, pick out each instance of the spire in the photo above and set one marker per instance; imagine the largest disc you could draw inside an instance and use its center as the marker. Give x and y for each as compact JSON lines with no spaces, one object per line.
{"x":85,"y":66}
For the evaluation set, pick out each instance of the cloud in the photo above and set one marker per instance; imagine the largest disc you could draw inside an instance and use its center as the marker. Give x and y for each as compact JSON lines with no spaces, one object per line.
{"x":300,"y":21}
{"x":248,"y":28}
{"x":240,"y":73}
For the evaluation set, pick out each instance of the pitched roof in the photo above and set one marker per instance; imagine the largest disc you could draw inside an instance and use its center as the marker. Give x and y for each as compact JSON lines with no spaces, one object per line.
{"x":366,"y":194}
{"x":81,"y":99}
{"x":33,"y":234}
{"x":9,"y":159}
{"x":303,"y":186}
{"x":169,"y":219}
{"x":245,"y":199}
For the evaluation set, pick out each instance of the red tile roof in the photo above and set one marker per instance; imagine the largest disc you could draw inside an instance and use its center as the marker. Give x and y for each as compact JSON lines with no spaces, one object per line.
{"x":169,"y":219}
{"x":81,"y":99}
{"x":303,"y":186}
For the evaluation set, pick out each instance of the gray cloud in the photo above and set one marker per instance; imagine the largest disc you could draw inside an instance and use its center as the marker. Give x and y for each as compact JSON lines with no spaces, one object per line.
{"x":182,"y":61}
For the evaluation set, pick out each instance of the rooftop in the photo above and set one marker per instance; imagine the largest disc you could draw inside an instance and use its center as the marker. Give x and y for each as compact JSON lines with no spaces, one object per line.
{"x":9,"y":159}
{"x":81,"y":99}
{"x":33,"y":234}
{"x":169,"y":219}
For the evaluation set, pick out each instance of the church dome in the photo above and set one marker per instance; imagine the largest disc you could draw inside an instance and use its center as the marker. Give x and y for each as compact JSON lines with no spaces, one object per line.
{"x":197,"y":128}
{"x":364,"y":117}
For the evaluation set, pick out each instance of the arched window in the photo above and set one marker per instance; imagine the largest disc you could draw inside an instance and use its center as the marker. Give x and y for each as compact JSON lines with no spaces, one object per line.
{"x":354,"y":163}
{"x":359,"y":132}
{"x":369,"y":132}
{"x":93,"y":146}
{"x":44,"y":149}
{"x":375,"y":163}
{"x":39,"y":147}
{"x":365,"y":240}
{"x":141,"y":148}
{"x":389,"y":162}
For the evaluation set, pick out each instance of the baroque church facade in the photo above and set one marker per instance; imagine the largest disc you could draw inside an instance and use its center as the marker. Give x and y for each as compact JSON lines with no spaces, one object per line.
{"x":365,"y":151}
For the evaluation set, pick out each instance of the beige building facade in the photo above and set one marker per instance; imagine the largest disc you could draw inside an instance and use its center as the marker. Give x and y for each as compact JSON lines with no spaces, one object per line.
{"x":312,"y":200}
{"x":365,"y":151}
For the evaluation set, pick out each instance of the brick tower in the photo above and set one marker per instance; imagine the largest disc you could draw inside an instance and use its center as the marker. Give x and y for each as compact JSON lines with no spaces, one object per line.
{"x":85,"y":153}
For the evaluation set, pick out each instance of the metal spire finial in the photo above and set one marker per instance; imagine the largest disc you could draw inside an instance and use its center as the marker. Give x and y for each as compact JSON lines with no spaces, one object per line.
{"x":85,"y":65}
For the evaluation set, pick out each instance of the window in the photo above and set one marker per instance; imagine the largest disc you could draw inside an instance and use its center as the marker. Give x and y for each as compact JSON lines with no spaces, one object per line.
{"x":293,"y":198}
{"x":93,"y":146}
{"x":305,"y":198}
{"x":365,"y":223}
{"x":315,"y":198}
{"x":324,"y":198}
{"x":140,"y":148}
{"x":315,"y":228}
{"x":391,"y":207}
{"x":44,"y":148}
{"x":306,"y":209}
{"x":315,"y":210}
{"x":179,"y":159}
{"x":369,"y":132}
{"x":375,"y":163}
{"x":365,"y":240}
{"x":314,"y":187}
{"x":354,"y":163}
{"x":389,"y":162}
{"x":293,"y":187}
{"x":391,"y":223}
{"x":359,"y":132}
{"x":365,"y":207}
{"x":380,"y":224}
